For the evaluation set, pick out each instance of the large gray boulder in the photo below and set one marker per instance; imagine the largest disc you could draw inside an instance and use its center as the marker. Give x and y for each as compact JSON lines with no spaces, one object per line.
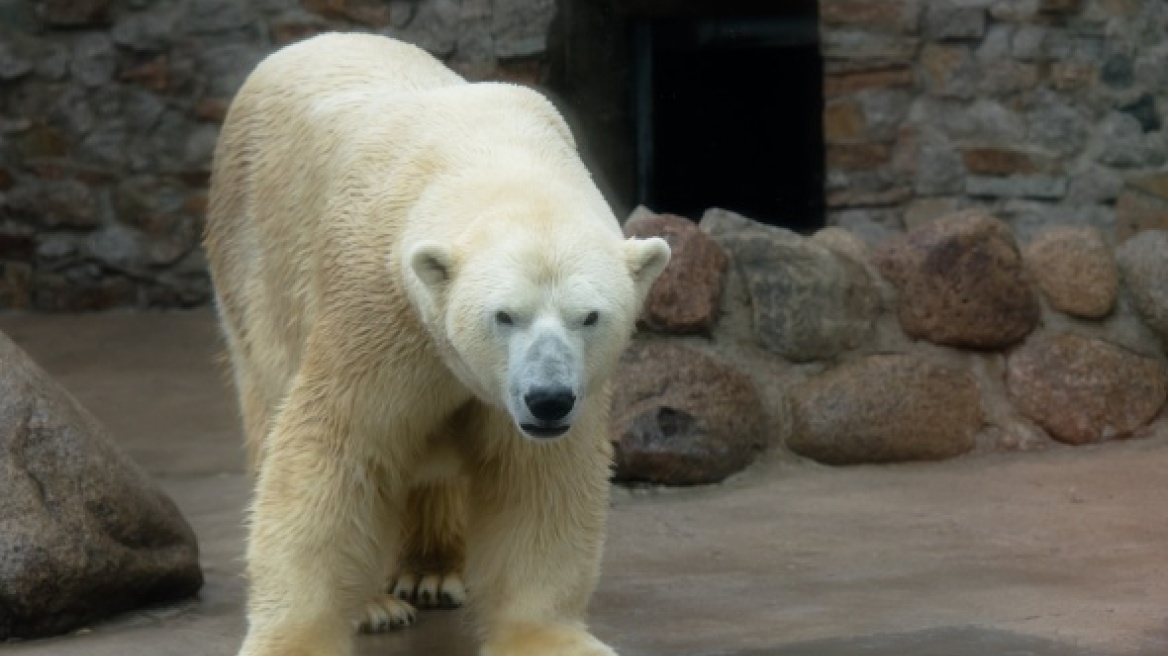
{"x":84,"y":532}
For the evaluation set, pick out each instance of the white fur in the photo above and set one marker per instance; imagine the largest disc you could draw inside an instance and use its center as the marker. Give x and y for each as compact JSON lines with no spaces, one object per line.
{"x":370,"y":216}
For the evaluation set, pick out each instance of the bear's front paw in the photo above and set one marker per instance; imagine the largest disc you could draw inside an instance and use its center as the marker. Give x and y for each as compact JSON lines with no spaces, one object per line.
{"x":385,"y":612}
{"x":430,"y":590}
{"x":544,"y":640}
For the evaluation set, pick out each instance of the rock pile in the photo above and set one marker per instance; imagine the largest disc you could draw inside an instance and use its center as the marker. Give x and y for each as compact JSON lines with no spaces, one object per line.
{"x":945,"y":340}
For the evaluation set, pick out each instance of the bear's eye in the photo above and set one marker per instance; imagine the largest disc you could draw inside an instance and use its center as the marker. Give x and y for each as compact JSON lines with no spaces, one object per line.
{"x":503,"y":319}
{"x":592,"y":318}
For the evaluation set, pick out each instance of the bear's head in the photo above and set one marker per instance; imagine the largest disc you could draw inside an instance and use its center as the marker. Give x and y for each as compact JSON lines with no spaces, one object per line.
{"x":532,"y":307}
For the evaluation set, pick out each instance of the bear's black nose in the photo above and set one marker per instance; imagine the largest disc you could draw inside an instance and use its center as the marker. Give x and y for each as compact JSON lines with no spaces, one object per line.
{"x":551,"y":403}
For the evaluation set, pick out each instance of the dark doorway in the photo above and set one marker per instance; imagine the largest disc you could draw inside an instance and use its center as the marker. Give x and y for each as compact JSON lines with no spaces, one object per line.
{"x":728,"y":113}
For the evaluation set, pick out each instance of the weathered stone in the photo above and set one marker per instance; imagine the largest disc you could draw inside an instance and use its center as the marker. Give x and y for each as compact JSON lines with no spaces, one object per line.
{"x":885,"y":408}
{"x":42,"y":141}
{"x":1083,"y":390}
{"x":116,"y":246}
{"x":1017,"y":186}
{"x":1005,"y":77}
{"x":153,"y":75}
{"x":1143,"y":263}
{"x":434,"y":27}
{"x":685,"y":297}
{"x":845,"y":83}
{"x":81,"y":291}
{"x":15,"y":289}
{"x":1058,"y":6}
{"x":52,"y":61}
{"x":106,"y":144}
{"x":1056,"y":125}
{"x":228,"y":65}
{"x":520,"y":27}
{"x":59,"y":203}
{"x":1014,"y":11}
{"x":1124,"y":144}
{"x":843,"y":122}
{"x":1142,"y":205}
{"x":296,"y":25}
{"x":884,"y":112}
{"x":215,"y":16}
{"x":144,"y":32}
{"x":1117,"y":72}
{"x":850,"y":197}
{"x":682,"y":418}
{"x":866,"y":49}
{"x":212,"y":109}
{"x":955,"y":19}
{"x":949,"y":70}
{"x":1143,"y":110}
{"x":1028,"y":218}
{"x":858,"y":157}
{"x":16,"y":57}
{"x":1068,"y":76}
{"x":808,"y":302}
{"x":939,"y":170}
{"x":961,"y":282}
{"x":923,"y":210}
{"x":884,"y":15}
{"x":94,"y":60}
{"x":84,"y":532}
{"x":1097,"y":184}
{"x":74,"y":13}
{"x":1075,"y":269}
{"x":873,"y":226}
{"x":1001,"y":161}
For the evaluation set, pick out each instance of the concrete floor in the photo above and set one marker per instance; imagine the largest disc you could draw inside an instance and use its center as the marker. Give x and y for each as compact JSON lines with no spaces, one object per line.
{"x":1061,"y":553}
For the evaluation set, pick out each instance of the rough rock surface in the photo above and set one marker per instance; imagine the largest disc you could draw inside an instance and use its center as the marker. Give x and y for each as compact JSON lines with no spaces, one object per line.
{"x":84,"y":533}
{"x":681,"y":417}
{"x":961,"y":282}
{"x":685,"y":297}
{"x":1075,"y":269}
{"x":885,"y":408}
{"x":809,"y":302}
{"x":1084,"y":390}
{"x":1143,"y":261}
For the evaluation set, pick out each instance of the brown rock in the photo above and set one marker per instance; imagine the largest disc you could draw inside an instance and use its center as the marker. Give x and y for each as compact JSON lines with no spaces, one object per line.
{"x":1143,"y":262}
{"x":885,"y":408}
{"x":212,"y":109}
{"x":685,"y":298}
{"x":894,"y":15}
{"x":999,"y":161}
{"x":1058,"y":6}
{"x":75,"y":13}
{"x":858,"y":157}
{"x":15,"y":279}
{"x":1084,"y":390}
{"x":681,"y":417}
{"x":367,"y":12}
{"x":1071,"y":75}
{"x":842,"y":122}
{"x":948,"y":70}
{"x":845,"y":83}
{"x":153,"y":75}
{"x":1142,"y":205}
{"x":1076,"y":271}
{"x":961,"y":282}
{"x":857,"y":198}
{"x":85,"y":532}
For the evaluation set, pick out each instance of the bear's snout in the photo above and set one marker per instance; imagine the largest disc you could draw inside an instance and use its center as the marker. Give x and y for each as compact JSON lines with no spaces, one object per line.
{"x":550,"y":403}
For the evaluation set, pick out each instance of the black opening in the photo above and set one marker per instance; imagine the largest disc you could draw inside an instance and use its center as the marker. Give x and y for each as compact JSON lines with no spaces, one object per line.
{"x":728,"y":114}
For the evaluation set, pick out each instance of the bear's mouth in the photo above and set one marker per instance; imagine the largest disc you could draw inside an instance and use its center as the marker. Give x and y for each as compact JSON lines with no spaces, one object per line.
{"x":544,"y":432}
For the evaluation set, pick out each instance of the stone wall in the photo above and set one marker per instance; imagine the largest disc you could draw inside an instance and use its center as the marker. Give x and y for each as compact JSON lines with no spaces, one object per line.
{"x":950,"y":339}
{"x":109,"y":112}
{"x":1040,"y":111}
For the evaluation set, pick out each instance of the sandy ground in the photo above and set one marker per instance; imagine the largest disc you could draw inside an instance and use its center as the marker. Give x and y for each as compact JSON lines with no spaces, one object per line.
{"x":1063,"y":552}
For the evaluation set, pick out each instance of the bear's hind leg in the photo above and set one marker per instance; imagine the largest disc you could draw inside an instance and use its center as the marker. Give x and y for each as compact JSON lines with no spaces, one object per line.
{"x":429,"y":572}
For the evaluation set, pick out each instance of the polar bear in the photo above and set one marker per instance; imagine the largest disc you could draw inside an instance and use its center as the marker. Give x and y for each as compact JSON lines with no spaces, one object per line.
{"x":423,"y":296}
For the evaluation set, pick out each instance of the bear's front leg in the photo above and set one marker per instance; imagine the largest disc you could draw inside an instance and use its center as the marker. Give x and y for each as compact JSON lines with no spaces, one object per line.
{"x":314,"y":548}
{"x":537,"y":524}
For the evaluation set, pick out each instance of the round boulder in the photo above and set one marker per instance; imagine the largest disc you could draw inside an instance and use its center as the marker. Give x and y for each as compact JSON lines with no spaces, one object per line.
{"x":685,"y":297}
{"x":1076,"y":271}
{"x":1084,"y":390}
{"x":1143,"y":263}
{"x":961,"y":282}
{"x":885,"y":408}
{"x":809,"y":302}
{"x":681,"y":417}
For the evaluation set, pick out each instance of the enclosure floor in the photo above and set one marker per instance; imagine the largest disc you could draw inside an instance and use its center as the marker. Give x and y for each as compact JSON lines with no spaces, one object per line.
{"x":1063,"y":552}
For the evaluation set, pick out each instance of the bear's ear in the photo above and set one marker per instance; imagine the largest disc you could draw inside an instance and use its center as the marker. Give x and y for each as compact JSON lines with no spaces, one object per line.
{"x":647,"y":259}
{"x":432,"y":263}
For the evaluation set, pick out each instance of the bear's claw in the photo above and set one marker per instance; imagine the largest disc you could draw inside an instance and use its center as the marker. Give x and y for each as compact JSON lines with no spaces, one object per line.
{"x":385,"y":612}
{"x":430,"y":590}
